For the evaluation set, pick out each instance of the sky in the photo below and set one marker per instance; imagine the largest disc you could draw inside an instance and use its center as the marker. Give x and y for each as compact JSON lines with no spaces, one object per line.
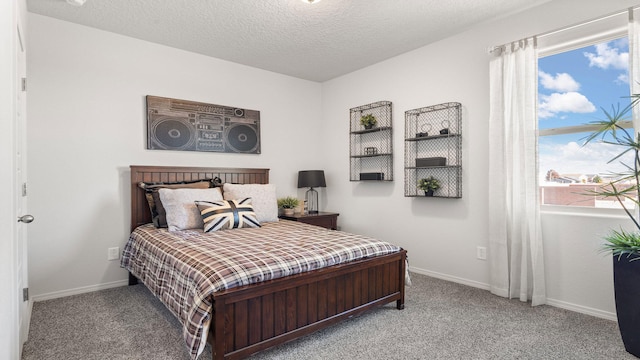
{"x":573,"y":87}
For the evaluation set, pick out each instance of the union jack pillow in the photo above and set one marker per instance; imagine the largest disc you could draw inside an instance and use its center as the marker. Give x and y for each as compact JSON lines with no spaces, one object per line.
{"x":227,"y":214}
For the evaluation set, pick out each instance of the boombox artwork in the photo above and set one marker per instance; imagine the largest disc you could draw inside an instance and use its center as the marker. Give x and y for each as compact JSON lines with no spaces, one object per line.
{"x":184,"y":125}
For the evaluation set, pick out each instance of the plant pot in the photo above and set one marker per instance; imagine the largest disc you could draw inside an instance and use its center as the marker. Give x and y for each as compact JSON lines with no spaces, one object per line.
{"x":428,"y":193}
{"x":368,"y":127}
{"x":626,"y":275}
{"x":288,"y":212}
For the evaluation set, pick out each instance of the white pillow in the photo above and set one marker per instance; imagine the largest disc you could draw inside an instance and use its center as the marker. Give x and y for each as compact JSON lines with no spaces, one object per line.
{"x":182,"y":212}
{"x":263,"y":198}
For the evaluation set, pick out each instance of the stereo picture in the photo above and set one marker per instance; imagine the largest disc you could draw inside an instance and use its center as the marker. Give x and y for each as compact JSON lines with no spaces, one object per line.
{"x":174,"y":124}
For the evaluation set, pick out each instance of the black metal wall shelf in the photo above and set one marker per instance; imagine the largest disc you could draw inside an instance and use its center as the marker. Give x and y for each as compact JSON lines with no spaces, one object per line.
{"x":369,"y":156}
{"x":371,"y":149}
{"x":432,"y":167}
{"x":433,"y":148}
{"x":432,"y":137}
{"x":366,"y":131}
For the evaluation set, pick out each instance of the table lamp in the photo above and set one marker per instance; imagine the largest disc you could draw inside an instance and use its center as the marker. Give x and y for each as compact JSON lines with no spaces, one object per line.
{"x":311,"y":179}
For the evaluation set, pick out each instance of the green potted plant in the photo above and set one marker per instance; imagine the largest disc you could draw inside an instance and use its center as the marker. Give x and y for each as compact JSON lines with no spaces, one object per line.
{"x":429,"y":185}
{"x":368,"y":121}
{"x":624,"y":245}
{"x":288,"y":205}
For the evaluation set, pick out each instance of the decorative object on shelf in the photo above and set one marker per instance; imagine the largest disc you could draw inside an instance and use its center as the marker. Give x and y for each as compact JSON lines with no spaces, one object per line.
{"x":432,"y":161}
{"x":429,"y":185}
{"x":372,"y":176}
{"x":425,"y":131}
{"x":371,"y":149}
{"x":433,"y":148}
{"x":623,"y":244}
{"x":288,"y":205}
{"x":311,"y":179}
{"x":368,"y":121}
{"x":445,"y":127}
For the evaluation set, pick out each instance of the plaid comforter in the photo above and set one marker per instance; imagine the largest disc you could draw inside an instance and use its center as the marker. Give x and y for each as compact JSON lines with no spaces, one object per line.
{"x":184,"y":268}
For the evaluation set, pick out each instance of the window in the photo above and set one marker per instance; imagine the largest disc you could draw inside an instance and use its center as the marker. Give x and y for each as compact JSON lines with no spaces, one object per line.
{"x":583,"y":69}
{"x":575,"y":87}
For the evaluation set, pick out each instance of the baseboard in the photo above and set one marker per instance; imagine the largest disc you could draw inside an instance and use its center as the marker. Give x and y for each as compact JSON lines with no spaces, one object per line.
{"x":80,"y":290}
{"x":454,"y":279}
{"x":583,"y":309}
{"x":551,"y":302}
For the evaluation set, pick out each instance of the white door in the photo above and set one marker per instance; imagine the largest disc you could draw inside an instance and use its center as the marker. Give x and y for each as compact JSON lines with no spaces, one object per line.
{"x":21,"y":185}
{"x":14,"y":313}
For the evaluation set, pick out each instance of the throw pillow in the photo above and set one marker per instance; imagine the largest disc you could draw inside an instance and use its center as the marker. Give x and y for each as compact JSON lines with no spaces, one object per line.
{"x":227,"y":214}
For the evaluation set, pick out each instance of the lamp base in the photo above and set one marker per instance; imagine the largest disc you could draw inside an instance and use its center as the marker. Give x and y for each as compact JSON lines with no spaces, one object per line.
{"x":311,"y":196}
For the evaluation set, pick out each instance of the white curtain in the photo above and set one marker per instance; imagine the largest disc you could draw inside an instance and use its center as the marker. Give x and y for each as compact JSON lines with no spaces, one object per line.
{"x":515,"y":238}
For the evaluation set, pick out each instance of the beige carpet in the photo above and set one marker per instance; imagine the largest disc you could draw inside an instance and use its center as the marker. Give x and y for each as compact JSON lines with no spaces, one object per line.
{"x":442,"y":320}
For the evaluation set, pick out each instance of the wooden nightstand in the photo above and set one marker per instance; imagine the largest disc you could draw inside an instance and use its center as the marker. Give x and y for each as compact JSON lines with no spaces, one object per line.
{"x":327,"y":220}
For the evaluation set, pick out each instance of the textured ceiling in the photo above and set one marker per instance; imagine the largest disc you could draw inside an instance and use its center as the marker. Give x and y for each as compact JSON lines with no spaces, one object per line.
{"x":317,"y":42}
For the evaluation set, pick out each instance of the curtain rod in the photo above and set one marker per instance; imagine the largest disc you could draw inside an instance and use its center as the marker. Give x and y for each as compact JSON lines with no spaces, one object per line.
{"x":500,"y":48}
{"x":630,"y":10}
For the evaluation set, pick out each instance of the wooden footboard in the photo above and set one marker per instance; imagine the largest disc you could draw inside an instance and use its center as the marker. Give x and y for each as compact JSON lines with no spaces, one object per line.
{"x":255,"y":317}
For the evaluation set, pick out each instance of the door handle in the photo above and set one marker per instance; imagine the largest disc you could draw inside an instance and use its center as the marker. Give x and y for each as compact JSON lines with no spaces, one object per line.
{"x":26,"y":219}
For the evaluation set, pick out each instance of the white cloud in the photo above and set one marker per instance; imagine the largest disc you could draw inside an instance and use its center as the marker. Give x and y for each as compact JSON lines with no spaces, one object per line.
{"x":606,"y":57}
{"x":572,"y":158}
{"x":562,"y":82}
{"x":572,"y":102}
{"x":623,"y":78}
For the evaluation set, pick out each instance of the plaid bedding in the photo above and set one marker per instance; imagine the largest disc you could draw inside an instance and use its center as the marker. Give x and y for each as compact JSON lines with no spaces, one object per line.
{"x":184,"y":268}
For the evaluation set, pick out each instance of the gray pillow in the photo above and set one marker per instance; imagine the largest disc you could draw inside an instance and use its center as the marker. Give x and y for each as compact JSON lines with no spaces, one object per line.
{"x":263,"y":197}
{"x":182,"y":212}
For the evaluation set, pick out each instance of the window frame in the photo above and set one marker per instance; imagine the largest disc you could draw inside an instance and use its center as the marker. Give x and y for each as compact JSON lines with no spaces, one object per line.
{"x":594,"y":32}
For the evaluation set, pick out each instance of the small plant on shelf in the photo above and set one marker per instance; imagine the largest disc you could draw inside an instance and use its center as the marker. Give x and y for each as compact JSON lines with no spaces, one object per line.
{"x":288,"y":204}
{"x":429,"y":185}
{"x":368,"y":121}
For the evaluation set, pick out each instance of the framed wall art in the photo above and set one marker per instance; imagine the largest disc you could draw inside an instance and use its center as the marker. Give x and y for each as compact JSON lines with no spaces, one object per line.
{"x":183,"y":125}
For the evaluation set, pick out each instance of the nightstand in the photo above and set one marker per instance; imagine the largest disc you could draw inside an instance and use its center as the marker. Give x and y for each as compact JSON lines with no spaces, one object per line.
{"x":327,"y":220}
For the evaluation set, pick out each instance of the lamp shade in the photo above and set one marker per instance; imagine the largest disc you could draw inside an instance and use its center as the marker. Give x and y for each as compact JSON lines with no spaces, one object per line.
{"x":311,"y":178}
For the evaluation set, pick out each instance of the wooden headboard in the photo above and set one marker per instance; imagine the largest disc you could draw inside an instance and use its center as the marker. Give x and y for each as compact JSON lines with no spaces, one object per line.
{"x":140,"y":213}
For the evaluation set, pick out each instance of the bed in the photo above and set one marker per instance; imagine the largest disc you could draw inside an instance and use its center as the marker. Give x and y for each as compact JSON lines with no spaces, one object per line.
{"x":248,"y":319}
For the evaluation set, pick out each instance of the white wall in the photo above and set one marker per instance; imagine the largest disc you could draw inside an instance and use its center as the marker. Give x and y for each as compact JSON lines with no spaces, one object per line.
{"x":441,"y":235}
{"x":87,"y":125}
{"x":86,"y":108}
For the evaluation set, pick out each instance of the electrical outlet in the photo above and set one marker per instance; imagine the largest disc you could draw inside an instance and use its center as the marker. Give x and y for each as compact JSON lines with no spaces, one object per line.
{"x":113,"y":253}
{"x":481,"y":253}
